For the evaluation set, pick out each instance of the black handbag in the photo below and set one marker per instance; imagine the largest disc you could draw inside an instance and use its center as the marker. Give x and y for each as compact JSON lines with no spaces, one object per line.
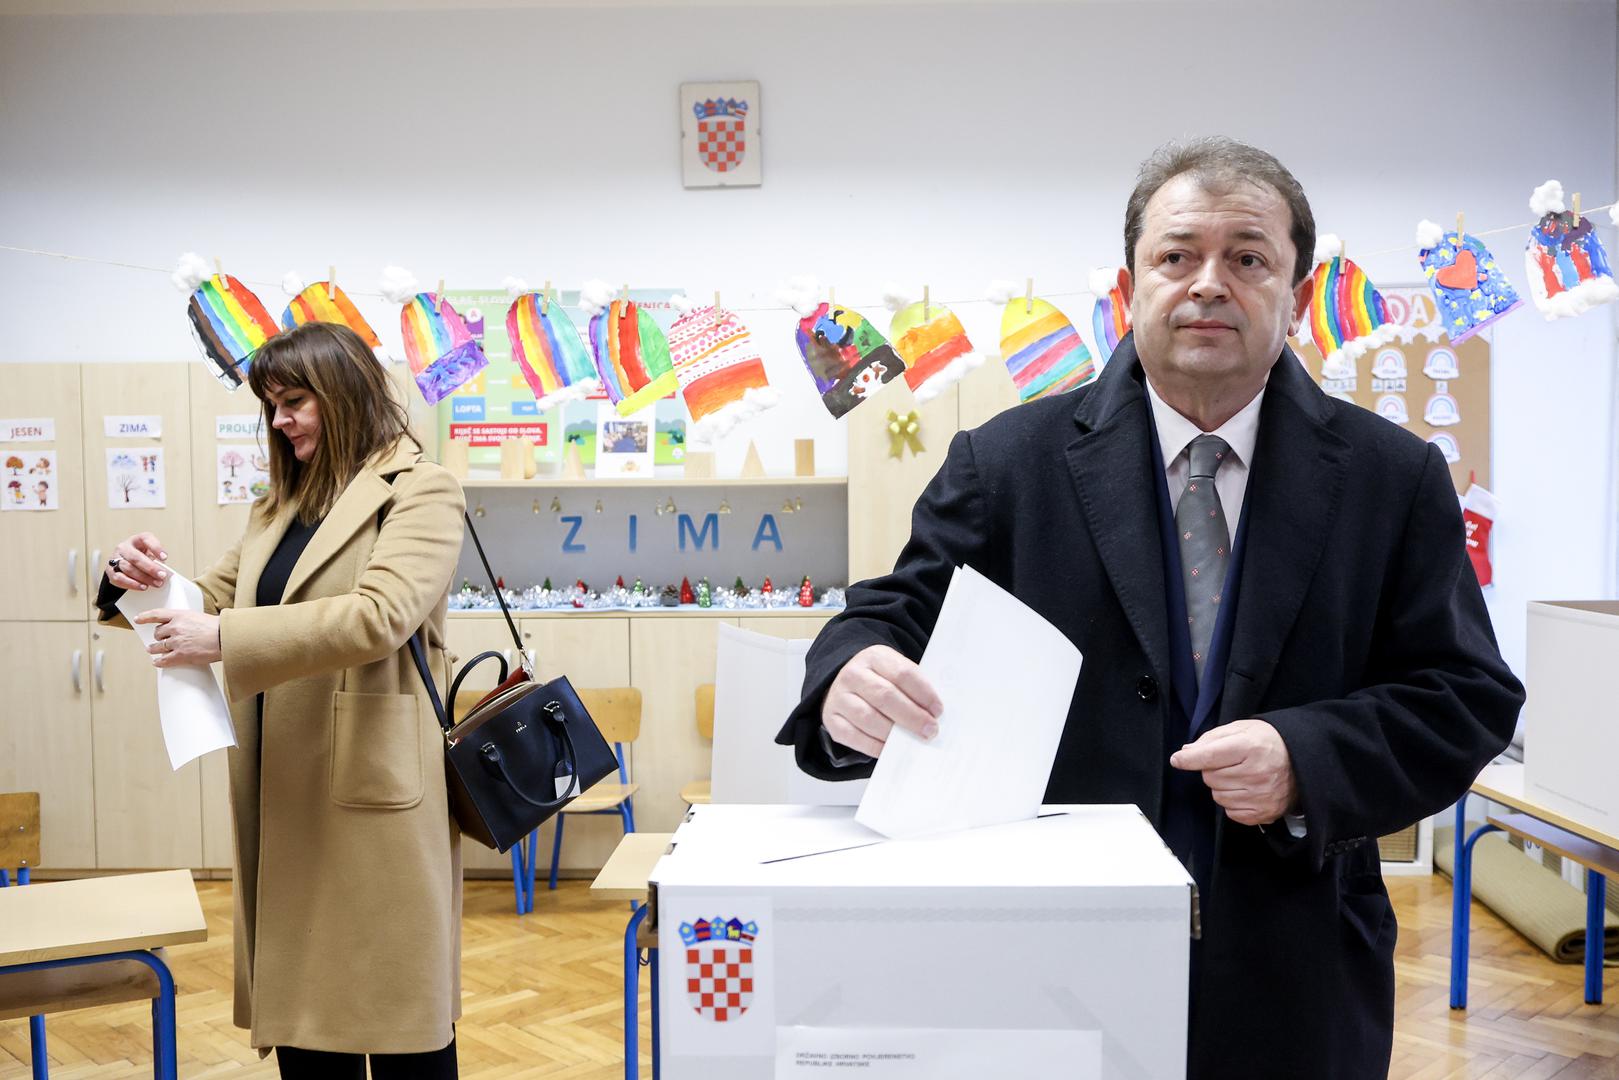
{"x":523,"y":752}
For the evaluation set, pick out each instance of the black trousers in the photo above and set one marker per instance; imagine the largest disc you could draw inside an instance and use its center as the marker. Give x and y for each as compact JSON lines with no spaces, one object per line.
{"x":297,"y":1064}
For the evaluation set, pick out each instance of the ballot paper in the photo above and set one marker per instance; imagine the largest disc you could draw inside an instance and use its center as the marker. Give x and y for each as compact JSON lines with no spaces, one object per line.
{"x":936,"y":1053}
{"x":1006,"y":678}
{"x":190,"y":704}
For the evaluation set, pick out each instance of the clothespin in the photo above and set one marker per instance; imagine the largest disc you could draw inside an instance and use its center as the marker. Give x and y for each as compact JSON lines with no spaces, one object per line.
{"x":831,"y":298}
{"x":1576,"y":209}
{"x":624,"y":293}
{"x":331,"y":283}
{"x":716,"y":307}
{"x":219,"y":268}
{"x":1028,"y":296}
{"x":438,"y":297}
{"x":1460,"y":220}
{"x":926,"y":311}
{"x":545,"y":297}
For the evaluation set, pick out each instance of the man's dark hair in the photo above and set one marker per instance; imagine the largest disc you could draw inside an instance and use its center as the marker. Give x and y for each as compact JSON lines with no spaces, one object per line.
{"x":1217,"y":162}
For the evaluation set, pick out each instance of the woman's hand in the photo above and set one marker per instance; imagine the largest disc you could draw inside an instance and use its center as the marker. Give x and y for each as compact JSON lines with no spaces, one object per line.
{"x":136,"y":563}
{"x":183,"y":637}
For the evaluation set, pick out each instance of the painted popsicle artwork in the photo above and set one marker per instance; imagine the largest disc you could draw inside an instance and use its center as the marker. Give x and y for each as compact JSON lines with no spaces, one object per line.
{"x":328,"y":303}
{"x":1468,"y":286}
{"x":1347,"y":315}
{"x":1044,"y":352}
{"x":229,"y":324}
{"x":1566,"y":264}
{"x":721,"y":374}
{"x":848,"y":358}
{"x":1110,"y":318}
{"x":441,"y":351}
{"x":632,"y":356}
{"x":934,"y":346}
{"x":549,"y":351}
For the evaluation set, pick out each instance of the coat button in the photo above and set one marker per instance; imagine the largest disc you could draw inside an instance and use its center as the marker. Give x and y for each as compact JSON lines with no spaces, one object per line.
{"x":1147,"y":688}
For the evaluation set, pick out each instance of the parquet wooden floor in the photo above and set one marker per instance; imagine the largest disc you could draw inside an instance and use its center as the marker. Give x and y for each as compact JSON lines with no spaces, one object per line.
{"x":543,"y":999}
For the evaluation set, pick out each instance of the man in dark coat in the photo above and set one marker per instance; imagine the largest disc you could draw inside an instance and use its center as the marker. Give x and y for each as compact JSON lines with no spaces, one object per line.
{"x":1286,"y":651}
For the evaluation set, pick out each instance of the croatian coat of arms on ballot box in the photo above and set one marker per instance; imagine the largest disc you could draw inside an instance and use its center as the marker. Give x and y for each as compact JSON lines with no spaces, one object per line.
{"x":719,"y":966}
{"x":720,"y":134}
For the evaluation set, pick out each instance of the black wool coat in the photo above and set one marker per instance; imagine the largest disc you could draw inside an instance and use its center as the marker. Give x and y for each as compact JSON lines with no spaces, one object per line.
{"x":1361,"y":635}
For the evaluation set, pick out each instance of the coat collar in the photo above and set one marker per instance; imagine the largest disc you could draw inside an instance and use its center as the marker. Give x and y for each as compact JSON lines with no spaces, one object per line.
{"x":1293,"y":493}
{"x":364,"y":496}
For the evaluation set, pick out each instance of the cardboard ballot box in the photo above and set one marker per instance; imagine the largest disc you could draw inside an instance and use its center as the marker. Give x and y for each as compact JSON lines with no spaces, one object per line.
{"x":1571,"y":739}
{"x":796,"y":942}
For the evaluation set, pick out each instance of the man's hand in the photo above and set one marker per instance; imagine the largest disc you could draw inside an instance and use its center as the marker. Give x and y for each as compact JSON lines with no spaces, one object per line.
{"x":877,"y":689}
{"x":1247,"y":767}
{"x":183,"y":637}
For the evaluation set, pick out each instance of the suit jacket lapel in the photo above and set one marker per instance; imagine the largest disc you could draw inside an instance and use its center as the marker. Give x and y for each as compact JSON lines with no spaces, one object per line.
{"x":1112,"y":466}
{"x":1294,"y":491}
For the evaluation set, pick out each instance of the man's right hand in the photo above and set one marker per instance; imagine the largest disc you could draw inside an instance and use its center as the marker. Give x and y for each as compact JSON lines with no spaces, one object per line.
{"x":136,"y":563}
{"x":877,"y":689}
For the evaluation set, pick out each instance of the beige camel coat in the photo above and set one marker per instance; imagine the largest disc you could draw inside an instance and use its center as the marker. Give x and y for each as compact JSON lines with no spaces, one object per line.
{"x":348,"y":863}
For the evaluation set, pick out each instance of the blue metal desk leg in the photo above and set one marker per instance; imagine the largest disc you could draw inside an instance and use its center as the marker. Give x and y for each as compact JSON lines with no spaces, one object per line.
{"x":632,"y":985}
{"x":652,"y":962}
{"x":36,"y":1048}
{"x":1596,"y":910}
{"x":1459,"y":911}
{"x":164,"y":1057}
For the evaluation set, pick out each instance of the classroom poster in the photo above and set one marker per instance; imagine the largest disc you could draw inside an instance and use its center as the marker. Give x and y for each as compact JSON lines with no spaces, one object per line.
{"x":135,"y":478}
{"x":242,"y":473}
{"x":30,"y":480}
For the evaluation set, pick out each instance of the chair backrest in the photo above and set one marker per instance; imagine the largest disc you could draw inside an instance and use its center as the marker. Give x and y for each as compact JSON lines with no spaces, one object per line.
{"x":705,"y":711}
{"x":19,"y":830}
{"x":617,"y":712}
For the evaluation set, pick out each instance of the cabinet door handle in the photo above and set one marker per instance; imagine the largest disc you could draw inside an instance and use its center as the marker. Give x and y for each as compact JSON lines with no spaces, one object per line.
{"x":101,"y":667}
{"x":73,"y":570}
{"x":95,"y":559}
{"x":78,"y":664}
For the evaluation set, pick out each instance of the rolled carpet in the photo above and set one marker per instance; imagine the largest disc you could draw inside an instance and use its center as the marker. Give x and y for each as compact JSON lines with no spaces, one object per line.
{"x":1532,"y":899}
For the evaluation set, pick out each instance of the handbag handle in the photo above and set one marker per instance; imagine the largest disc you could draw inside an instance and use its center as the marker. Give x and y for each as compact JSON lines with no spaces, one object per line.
{"x":493,"y":758}
{"x":455,"y":684}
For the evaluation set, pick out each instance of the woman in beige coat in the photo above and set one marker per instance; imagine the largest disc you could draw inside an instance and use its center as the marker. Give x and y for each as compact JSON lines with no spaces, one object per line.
{"x":348,"y":867}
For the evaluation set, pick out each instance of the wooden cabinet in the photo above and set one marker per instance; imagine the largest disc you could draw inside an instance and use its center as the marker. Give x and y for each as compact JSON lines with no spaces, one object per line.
{"x":670,"y":656}
{"x":54,"y":578}
{"x":45,"y":741}
{"x":214,"y":528}
{"x":784,"y":626}
{"x":147,"y":815}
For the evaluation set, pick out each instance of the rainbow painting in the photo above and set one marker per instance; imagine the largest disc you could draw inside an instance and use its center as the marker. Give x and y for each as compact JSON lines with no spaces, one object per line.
{"x":933,"y":344}
{"x":548,"y":351}
{"x":1044,"y":353}
{"x":1347,"y":315}
{"x":440,"y":349}
{"x":229,"y":324}
{"x":632,"y":357}
{"x":322,"y":302}
{"x":721,"y":375}
{"x":1110,"y":318}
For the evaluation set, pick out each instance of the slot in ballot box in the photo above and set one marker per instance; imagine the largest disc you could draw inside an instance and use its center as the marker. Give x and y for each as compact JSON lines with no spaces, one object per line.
{"x":796,"y":942}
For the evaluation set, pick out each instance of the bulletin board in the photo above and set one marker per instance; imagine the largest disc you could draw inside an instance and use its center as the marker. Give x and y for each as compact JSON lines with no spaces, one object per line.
{"x":1427,"y":354}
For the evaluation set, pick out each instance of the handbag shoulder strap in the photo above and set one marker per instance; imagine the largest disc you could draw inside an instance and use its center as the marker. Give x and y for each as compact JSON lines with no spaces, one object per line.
{"x":419,"y":654}
{"x":517,"y":639}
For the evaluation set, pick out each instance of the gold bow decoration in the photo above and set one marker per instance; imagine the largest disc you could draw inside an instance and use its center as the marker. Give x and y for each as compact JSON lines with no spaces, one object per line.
{"x":904,"y":431}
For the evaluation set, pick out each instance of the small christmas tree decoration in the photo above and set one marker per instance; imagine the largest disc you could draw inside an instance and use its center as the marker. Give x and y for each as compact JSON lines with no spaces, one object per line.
{"x":1479,"y":511}
{"x":547,"y":585}
{"x":1469,"y":288}
{"x":1110,"y":318}
{"x":1347,"y":316}
{"x":581,"y":586}
{"x":620,"y":582}
{"x":686,"y":594}
{"x":637,"y":589}
{"x":767,"y":587}
{"x":500,"y":583}
{"x":739,"y":588}
{"x":806,"y":593}
{"x":1567,"y":266}
{"x":705,"y":594}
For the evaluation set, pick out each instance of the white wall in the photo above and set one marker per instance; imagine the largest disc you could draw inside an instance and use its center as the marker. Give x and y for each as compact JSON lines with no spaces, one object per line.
{"x":946,"y":145}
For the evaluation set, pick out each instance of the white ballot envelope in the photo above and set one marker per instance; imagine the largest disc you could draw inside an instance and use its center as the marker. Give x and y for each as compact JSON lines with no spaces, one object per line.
{"x":1006,"y":677}
{"x":190,"y":704}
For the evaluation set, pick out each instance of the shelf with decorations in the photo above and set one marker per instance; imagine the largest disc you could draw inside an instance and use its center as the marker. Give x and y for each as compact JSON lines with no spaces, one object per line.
{"x":672,"y":481}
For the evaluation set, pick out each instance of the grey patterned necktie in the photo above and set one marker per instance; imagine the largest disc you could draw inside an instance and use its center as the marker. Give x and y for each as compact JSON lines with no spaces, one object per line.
{"x":1205,"y":543}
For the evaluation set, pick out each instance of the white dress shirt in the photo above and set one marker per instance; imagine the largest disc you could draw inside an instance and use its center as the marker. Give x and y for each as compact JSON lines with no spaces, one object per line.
{"x":1241,"y":433}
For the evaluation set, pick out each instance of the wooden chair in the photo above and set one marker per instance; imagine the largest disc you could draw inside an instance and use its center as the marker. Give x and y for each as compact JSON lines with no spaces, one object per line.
{"x":617,"y":713}
{"x":701,"y":792}
{"x":36,"y":993}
